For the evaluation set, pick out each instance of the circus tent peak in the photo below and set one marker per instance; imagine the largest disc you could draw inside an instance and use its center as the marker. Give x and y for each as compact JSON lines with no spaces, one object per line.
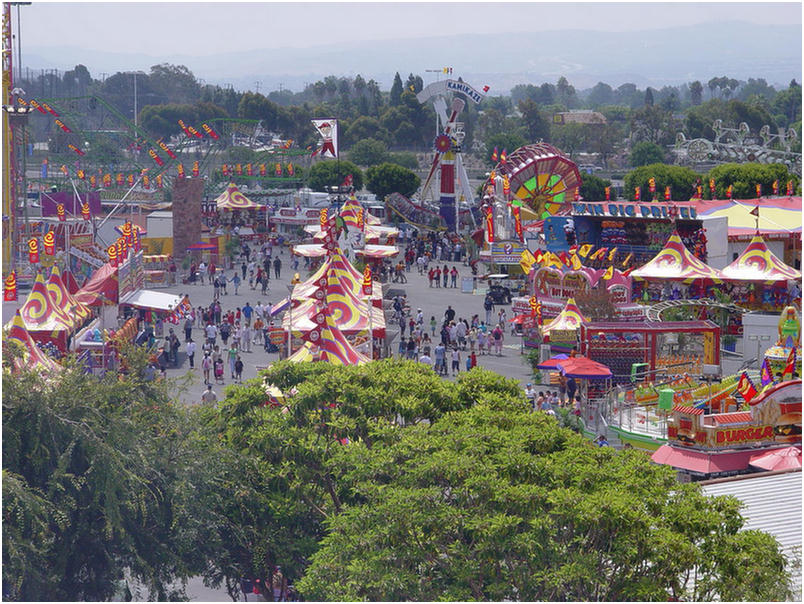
{"x":675,"y":263}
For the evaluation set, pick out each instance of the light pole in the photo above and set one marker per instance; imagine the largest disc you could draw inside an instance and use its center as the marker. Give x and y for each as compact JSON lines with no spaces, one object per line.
{"x":135,"y":74}
{"x":290,"y":318}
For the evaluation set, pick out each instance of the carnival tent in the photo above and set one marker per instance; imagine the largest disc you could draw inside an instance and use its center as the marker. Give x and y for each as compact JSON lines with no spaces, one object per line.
{"x":569,"y":319}
{"x":44,"y":319}
{"x":758,"y":263}
{"x":233,"y":199}
{"x":101,"y":288}
{"x":152,"y":300}
{"x":352,"y":318}
{"x":378,"y":251}
{"x":583,"y":367}
{"x":64,"y":300}
{"x":32,"y":357}
{"x":788,"y":458}
{"x":777,"y":215}
{"x":552,"y":362}
{"x":309,"y":250}
{"x":675,"y":263}
{"x":350,"y":210}
{"x":346,"y":273}
{"x":332,"y":348}
{"x":70,"y":282}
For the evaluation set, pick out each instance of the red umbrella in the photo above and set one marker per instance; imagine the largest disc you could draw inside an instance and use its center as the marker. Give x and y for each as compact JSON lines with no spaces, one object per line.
{"x":519,"y":319}
{"x":552,"y":362}
{"x":582,"y":367}
{"x":787,"y":458}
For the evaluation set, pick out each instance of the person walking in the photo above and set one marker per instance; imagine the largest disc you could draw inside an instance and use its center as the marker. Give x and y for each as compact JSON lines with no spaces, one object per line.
{"x":232,"y":356}
{"x":206,"y":366}
{"x":498,"y":337}
{"x":236,"y":282}
{"x":209,"y":397}
{"x":456,"y":360}
{"x":190,"y":348}
{"x":488,"y":306}
{"x":245,"y":340}
{"x":248,"y":311}
{"x":277,"y":267}
{"x":238,"y":370}
{"x":188,"y":328}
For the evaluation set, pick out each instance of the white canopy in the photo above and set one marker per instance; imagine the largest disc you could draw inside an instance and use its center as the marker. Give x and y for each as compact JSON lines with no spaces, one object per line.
{"x":147,"y":298}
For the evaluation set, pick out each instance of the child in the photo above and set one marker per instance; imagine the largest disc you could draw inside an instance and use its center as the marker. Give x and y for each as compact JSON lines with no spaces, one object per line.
{"x":219,"y":370}
{"x":239,"y":370}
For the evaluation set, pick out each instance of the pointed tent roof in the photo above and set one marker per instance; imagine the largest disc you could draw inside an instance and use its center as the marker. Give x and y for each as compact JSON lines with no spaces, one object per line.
{"x":333,"y":348}
{"x":349,"y":276}
{"x":569,"y":318}
{"x":758,"y":263}
{"x":233,"y":199}
{"x":32,"y":357}
{"x":101,"y":288}
{"x":41,"y":313}
{"x":64,"y":299}
{"x":675,"y":263}
{"x":349,"y":213}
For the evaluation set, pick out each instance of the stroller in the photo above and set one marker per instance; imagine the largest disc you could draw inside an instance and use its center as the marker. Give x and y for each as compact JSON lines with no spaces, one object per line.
{"x":218,"y":368}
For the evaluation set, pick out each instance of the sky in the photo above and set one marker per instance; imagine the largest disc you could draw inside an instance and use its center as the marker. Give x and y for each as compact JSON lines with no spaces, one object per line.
{"x":206,"y":28}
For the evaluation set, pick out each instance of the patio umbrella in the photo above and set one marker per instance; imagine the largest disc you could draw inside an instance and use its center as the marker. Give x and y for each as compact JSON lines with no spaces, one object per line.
{"x":582,"y":367}
{"x":519,"y":319}
{"x":552,"y":362}
{"x":778,"y":459}
{"x":200,"y":245}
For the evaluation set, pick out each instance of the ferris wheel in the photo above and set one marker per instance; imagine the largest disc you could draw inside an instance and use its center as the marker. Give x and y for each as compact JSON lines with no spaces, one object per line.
{"x":541,"y":177}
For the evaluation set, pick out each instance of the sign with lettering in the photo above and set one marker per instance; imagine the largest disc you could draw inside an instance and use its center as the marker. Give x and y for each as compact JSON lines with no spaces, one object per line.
{"x":506,"y":252}
{"x":686,"y":211}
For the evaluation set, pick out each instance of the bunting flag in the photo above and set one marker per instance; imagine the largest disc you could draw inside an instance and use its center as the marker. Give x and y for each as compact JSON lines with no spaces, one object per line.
{"x":111,"y":251}
{"x":585,"y":249}
{"x":490,"y":226}
{"x":348,"y":182}
{"x":166,"y":149}
{"x":759,"y":190}
{"x":225,"y":169}
{"x":518,"y":222}
{"x":636,"y":193}
{"x":504,"y":156}
{"x":765,"y":374}
{"x":249,"y":170}
{"x":80,"y":174}
{"x":328,"y":130}
{"x":135,"y":239}
{"x":755,"y":211}
{"x":652,"y":184}
{"x":85,"y":214}
{"x":699,"y":191}
{"x":239,"y":169}
{"x":130,"y":180}
{"x":184,"y":127}
{"x":75,"y":149}
{"x":64,"y":170}
{"x":367,"y":281}
{"x":38,"y":107}
{"x":538,"y":256}
{"x":194,"y":132}
{"x":10,"y":287}
{"x":789,"y":188}
{"x":667,"y":193}
{"x":290,"y":170}
{"x":628,"y":259}
{"x":126,"y":228}
{"x":775,"y":187}
{"x":609,"y":273}
{"x":61,"y":213}
{"x":107,"y":180}
{"x":155,"y":157}
{"x":180,"y":171}
{"x":210,"y":131}
{"x":575,"y":262}
{"x":196,"y":171}
{"x":526,"y":261}
{"x":627,"y":271}
{"x":33,"y":250}
{"x":120,"y":179}
{"x":158,"y":181}
{"x":712,"y":187}
{"x":263,"y":170}
{"x":495,"y":156}
{"x":322,"y":217}
{"x":49,"y":243}
{"x":278,"y":169}
{"x":790,"y":368}
{"x":93,"y":181}
{"x":607,"y":192}
{"x":577,"y":193}
{"x":49,"y":110}
{"x":564,"y":258}
{"x":146,"y":181}
{"x":746,"y":387}
{"x":612,"y":254}
{"x":729,"y":192}
{"x":63,"y":126}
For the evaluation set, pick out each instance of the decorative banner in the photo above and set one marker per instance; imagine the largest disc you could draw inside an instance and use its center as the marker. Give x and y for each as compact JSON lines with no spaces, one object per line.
{"x":166,"y":149}
{"x":712,"y":187}
{"x":76,"y":149}
{"x":225,"y":169}
{"x":628,"y":259}
{"x":612,"y":254}
{"x":180,"y":171}
{"x":146,"y":182}
{"x":262,"y":170}
{"x":609,"y":273}
{"x":249,"y":170}
{"x":239,"y":169}
{"x":38,"y":107}
{"x":495,"y":155}
{"x":789,"y":188}
{"x":158,"y":181}
{"x":322,"y":217}
{"x":506,"y":186}
{"x":699,"y":191}
{"x":60,"y":212}
{"x":746,"y":387}
{"x":278,"y":169}
{"x":127,"y":232}
{"x":184,"y":127}
{"x":10,"y":287}
{"x":775,"y":187}
{"x":93,"y":181}
{"x":33,"y":250}
{"x":194,"y":132}
{"x":210,"y":131}
{"x":577,"y":193}
{"x":585,"y":249}
{"x":61,"y":125}
{"x":759,"y":190}
{"x":667,"y":193}
{"x":135,"y":240}
{"x":636,"y":193}
{"x":107,"y":180}
{"x":518,"y":223}
{"x":607,"y":191}
{"x":290,"y":171}
{"x":652,"y":184}
{"x":85,"y":211}
{"x":80,"y":173}
{"x":526,"y":261}
{"x":729,"y":192}
{"x":112,"y":252}
{"x":360,"y":223}
{"x":348,"y":182}
{"x":328,"y":130}
{"x":49,"y":110}
{"x":130,"y":180}
{"x":119,"y":179}
{"x":504,"y":156}
{"x":367,"y":281}
{"x":490,"y":226}
{"x":49,"y":242}
{"x":196,"y":171}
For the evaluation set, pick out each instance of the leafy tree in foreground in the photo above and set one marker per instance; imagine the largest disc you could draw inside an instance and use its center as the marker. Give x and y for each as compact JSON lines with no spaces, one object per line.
{"x":593,"y":188}
{"x":494,"y":504}
{"x":390,"y":178}
{"x":646,"y":152}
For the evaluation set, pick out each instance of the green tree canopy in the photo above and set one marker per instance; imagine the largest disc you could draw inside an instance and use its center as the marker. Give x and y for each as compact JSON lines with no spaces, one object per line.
{"x":646,"y":152}
{"x":681,"y":180}
{"x":593,"y":188}
{"x":509,"y":142}
{"x":331,"y":173}
{"x":368,"y":152}
{"x":390,"y":178}
{"x":745,"y":177}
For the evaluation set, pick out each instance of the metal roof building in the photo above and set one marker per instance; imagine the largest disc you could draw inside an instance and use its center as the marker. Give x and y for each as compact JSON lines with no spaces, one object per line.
{"x":772,"y":504}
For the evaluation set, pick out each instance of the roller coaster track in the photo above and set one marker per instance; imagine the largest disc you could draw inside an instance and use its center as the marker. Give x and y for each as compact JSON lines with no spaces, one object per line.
{"x":654,"y":312}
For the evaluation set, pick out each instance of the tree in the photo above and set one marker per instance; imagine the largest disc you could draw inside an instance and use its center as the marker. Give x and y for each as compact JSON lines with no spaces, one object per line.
{"x":565,"y":93}
{"x":645,"y":153}
{"x":601,"y":94}
{"x":173,"y":83}
{"x":593,"y":188}
{"x":396,"y":91}
{"x":745,"y":177}
{"x":696,"y":92}
{"x":406,"y":159}
{"x":255,"y":106}
{"x":331,"y":173}
{"x":649,"y":97}
{"x":509,"y":142}
{"x":368,"y":152}
{"x":570,"y":138}
{"x":537,"y":127}
{"x":364,"y":127}
{"x":681,"y":180}
{"x":495,"y":503}
{"x":101,"y":476}
{"x":390,"y":178}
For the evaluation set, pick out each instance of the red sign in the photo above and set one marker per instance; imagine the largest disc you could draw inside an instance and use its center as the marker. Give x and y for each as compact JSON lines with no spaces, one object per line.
{"x":743,"y":435}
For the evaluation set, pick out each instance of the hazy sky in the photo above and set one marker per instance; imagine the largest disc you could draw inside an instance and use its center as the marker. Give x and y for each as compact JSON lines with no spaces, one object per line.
{"x":201,"y":28}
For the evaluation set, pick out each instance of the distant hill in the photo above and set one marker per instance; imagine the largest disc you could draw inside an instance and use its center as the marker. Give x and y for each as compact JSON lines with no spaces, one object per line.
{"x":656,"y":58}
